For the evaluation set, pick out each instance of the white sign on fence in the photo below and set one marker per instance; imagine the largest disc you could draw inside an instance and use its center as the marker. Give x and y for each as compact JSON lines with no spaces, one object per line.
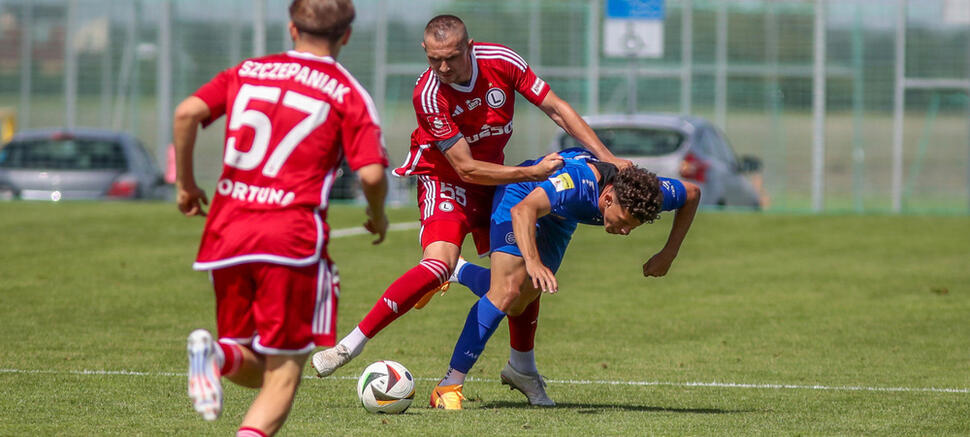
{"x":634,"y":28}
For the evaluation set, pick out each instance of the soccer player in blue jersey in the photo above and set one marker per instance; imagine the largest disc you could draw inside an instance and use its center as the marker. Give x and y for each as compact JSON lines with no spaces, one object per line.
{"x":531,"y":225}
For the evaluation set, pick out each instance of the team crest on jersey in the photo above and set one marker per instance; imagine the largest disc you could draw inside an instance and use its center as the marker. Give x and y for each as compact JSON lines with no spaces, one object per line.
{"x":495,"y":97}
{"x":439,"y":126}
{"x":473,"y":103}
{"x":510,"y":238}
{"x":446,"y":206}
{"x":562,"y":182}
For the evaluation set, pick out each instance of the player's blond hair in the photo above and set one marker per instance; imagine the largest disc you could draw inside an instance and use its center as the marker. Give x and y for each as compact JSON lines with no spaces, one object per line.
{"x":327,"y":19}
{"x":638,"y":190}
{"x":443,"y":27}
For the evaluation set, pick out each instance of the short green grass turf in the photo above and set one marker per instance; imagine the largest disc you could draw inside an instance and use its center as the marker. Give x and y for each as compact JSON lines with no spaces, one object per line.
{"x":835,"y":301}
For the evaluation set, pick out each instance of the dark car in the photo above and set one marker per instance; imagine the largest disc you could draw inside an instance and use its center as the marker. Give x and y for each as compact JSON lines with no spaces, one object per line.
{"x":66,"y":164}
{"x":682,"y":147}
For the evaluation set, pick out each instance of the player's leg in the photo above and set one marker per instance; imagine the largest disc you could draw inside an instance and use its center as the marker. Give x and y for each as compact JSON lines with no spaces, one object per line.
{"x":435,"y":267}
{"x":508,"y":274}
{"x":293,"y":308}
{"x":521,"y":373}
{"x":209,"y":359}
{"x":444,"y":224}
{"x":275,"y":399}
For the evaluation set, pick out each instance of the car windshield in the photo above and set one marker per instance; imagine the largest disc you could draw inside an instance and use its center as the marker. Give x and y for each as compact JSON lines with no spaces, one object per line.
{"x":63,"y":154}
{"x":633,"y":141}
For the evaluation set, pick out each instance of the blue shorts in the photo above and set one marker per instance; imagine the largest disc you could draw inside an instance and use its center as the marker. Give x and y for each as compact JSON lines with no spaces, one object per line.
{"x":552,"y":234}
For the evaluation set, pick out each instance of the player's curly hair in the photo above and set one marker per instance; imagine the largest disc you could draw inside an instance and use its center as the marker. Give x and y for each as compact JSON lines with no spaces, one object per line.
{"x":638,"y":190}
{"x":327,"y":19}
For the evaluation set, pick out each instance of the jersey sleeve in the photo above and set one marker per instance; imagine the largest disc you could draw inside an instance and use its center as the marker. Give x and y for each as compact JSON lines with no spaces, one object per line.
{"x":531,"y":86}
{"x":215,"y":94}
{"x":674,"y":194}
{"x":361,"y":135}
{"x":432,"y":114}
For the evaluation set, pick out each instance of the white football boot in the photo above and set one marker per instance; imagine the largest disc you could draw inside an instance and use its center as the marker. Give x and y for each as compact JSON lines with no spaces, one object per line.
{"x":530,"y":384}
{"x":328,"y":361}
{"x":205,"y":388}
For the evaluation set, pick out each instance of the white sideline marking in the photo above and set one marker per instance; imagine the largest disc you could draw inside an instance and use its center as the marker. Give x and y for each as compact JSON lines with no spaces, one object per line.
{"x":350,"y":232}
{"x":551,"y":381}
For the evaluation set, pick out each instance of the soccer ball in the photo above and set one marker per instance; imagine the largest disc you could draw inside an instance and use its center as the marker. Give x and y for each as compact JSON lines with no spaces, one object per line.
{"x":386,"y":387}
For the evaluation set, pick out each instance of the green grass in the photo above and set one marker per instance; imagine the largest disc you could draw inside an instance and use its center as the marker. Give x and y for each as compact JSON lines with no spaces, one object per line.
{"x":835,"y":301}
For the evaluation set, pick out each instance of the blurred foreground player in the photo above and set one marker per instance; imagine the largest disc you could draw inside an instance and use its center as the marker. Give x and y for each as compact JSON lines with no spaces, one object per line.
{"x":291,"y":117}
{"x":531,"y":225}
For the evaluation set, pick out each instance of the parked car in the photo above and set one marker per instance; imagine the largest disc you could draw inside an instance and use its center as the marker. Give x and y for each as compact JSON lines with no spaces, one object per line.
{"x":683,"y":147}
{"x":64,"y":164}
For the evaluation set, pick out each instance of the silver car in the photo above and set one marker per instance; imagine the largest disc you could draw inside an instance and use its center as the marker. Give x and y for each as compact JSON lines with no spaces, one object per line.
{"x":682,"y":147}
{"x":72,"y":164}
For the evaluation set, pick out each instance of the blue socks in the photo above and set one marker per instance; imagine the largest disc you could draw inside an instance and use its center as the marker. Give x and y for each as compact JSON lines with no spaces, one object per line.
{"x":477,"y":278}
{"x":482,"y":321}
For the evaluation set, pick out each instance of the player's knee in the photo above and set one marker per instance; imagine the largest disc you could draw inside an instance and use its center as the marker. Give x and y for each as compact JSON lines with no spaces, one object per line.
{"x":504,"y":296}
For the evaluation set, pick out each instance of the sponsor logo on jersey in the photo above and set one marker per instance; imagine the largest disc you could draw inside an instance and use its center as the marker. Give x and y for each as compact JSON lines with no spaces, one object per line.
{"x":439,"y":125}
{"x":458,"y":111}
{"x":446,"y":206}
{"x":495,"y":97}
{"x":251,"y":193}
{"x":473,"y":103}
{"x":510,"y":238}
{"x":537,"y":86}
{"x":562,"y":182}
{"x":490,"y":131}
{"x":300,"y":73}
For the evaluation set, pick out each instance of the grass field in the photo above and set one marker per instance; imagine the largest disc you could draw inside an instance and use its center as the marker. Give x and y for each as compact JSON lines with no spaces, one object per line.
{"x":767,"y":325}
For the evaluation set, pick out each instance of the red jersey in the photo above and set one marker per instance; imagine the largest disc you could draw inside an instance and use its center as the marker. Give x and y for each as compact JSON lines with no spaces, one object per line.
{"x":291,"y":117}
{"x":481,"y":111}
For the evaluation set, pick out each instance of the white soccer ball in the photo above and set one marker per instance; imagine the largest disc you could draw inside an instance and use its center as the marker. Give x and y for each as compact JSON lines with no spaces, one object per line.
{"x":386,"y":387}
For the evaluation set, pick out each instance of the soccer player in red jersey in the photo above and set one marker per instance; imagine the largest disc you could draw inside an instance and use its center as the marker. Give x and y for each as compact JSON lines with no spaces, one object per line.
{"x":291,"y":117}
{"x":464,"y":104}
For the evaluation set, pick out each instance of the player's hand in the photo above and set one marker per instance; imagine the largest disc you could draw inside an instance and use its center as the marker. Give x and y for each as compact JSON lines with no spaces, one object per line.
{"x":659,"y":264}
{"x":549,"y":165}
{"x":621,"y":163}
{"x":377,"y":226}
{"x":190,"y":200}
{"x":542,"y":278}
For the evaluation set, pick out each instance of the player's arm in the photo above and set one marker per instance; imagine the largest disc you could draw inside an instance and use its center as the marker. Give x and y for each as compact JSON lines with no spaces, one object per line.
{"x":658,"y":264}
{"x":525,"y":214}
{"x":473,"y":171}
{"x":373,"y":183}
{"x":188,"y":116}
{"x":569,"y":120}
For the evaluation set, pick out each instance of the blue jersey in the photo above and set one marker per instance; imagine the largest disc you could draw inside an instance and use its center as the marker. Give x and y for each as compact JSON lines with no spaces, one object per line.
{"x":573,"y":193}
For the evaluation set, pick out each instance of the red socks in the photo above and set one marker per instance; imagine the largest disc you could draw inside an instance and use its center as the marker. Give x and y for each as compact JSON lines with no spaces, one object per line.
{"x":522,"y":328}
{"x":233,"y":358}
{"x":250,"y":432}
{"x":401,"y":296}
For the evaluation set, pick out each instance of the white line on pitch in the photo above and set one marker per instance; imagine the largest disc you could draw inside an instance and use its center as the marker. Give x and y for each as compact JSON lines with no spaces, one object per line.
{"x":552,"y":381}
{"x":350,"y":232}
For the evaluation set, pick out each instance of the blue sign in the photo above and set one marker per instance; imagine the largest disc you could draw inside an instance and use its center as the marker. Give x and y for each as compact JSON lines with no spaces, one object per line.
{"x":635,"y":9}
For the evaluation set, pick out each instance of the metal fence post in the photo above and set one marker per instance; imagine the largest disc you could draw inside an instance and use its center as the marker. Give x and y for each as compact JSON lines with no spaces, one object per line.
{"x":818,"y":110}
{"x":380,"y":58}
{"x":898,"y":105}
{"x":720,"y":67}
{"x":26,"y":63}
{"x":70,"y":67}
{"x":163,"y":85}
{"x":259,"y":28}
{"x":686,"y":55}
{"x":592,"y":57}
